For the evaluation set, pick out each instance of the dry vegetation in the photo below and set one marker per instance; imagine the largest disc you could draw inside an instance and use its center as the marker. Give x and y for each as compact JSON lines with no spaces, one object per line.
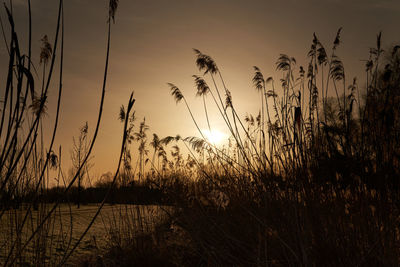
{"x":312,"y":180}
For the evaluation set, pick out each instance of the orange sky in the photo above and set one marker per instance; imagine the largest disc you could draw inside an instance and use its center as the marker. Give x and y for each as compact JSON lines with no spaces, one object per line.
{"x":152,"y":44}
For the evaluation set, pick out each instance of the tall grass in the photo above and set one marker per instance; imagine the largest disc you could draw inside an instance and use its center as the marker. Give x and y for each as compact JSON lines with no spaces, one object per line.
{"x":311,"y":180}
{"x":36,"y":233}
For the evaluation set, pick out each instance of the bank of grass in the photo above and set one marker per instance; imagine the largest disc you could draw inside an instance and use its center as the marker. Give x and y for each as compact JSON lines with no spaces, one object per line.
{"x":285,"y":229}
{"x":312,"y":180}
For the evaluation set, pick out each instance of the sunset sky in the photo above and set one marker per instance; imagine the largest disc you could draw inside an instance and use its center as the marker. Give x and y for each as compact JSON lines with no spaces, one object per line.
{"x":152,"y":43}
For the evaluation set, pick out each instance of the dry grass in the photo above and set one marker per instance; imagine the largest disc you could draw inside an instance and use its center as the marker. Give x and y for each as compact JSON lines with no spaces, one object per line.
{"x":311,"y":180}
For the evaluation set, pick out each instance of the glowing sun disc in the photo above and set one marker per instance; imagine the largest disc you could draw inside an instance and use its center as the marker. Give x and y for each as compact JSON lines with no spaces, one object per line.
{"x":214,"y":137}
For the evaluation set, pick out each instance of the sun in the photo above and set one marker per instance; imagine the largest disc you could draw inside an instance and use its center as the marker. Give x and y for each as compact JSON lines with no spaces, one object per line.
{"x":215,"y":137}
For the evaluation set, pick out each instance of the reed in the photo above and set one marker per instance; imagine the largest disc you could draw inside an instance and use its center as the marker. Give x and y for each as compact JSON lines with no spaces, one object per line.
{"x":311,"y":180}
{"x":36,"y":232}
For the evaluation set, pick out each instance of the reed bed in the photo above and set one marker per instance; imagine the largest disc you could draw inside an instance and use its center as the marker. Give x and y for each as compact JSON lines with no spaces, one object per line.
{"x":310,"y":180}
{"x":36,"y":233}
